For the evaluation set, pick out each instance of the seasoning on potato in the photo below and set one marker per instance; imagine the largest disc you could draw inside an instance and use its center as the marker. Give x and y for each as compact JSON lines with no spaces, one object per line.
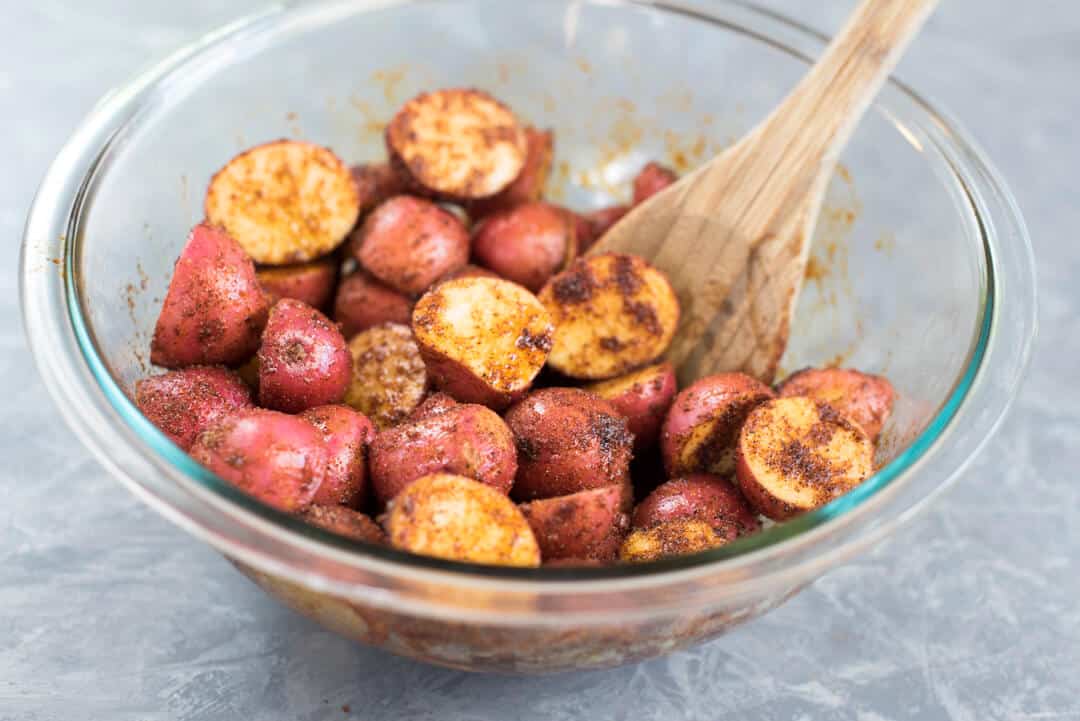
{"x":707,"y":498}
{"x":389,"y":377}
{"x":312,"y":283}
{"x":643,"y":397}
{"x":864,"y":398}
{"x":345,"y":522}
{"x":587,"y":525}
{"x":796,"y":454}
{"x":669,"y":539}
{"x":183,"y":403}
{"x":529,"y":185}
{"x":285,"y":202}
{"x":612,"y":313}
{"x":346,"y":434}
{"x":460,"y":519}
{"x":483,"y":340}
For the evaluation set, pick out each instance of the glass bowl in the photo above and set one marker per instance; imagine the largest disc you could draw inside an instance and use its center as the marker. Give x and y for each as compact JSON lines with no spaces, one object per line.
{"x":922,"y":271}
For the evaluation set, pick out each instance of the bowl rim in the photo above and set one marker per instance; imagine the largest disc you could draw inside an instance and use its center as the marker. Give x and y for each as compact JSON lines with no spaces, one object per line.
{"x":54,"y":322}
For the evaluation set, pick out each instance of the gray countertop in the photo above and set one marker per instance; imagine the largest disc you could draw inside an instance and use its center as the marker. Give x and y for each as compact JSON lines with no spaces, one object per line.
{"x":971,"y":613}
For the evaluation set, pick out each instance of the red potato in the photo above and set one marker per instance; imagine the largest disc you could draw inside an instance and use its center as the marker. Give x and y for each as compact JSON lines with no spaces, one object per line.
{"x":277,"y":458}
{"x":389,"y":377}
{"x":669,"y":539}
{"x":568,"y":441}
{"x":588,"y":525}
{"x":376,"y":183}
{"x":460,"y":519}
{"x":346,"y":434}
{"x":651,"y":180}
{"x":434,"y":404}
{"x":643,"y":397}
{"x":701,"y":430}
{"x":183,"y":403}
{"x":864,"y":398}
{"x":528,"y":187}
{"x":612,"y":313}
{"x":797,"y":454}
{"x":483,"y":340}
{"x":465,"y":440}
{"x":457,"y":144}
{"x":363,"y":302}
{"x":409,"y":243}
{"x":311,"y":283}
{"x":214,"y":310}
{"x":303,"y":359}
{"x":704,"y":497}
{"x":469,"y":271}
{"x":590,"y":227}
{"x":526,"y":244}
{"x":345,"y":522}
{"x":285,"y":202}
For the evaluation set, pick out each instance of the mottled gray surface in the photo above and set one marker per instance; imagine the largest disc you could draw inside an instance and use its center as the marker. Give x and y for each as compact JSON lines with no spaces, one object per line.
{"x":971,"y":613}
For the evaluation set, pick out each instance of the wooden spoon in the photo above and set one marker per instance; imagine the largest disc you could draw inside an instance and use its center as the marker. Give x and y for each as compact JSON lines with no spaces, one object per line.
{"x":734,"y":235}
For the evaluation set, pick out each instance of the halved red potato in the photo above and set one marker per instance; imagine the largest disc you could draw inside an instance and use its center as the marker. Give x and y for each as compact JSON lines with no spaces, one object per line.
{"x":529,"y":185}
{"x":864,"y":398}
{"x":364,"y":302}
{"x":612,"y":313}
{"x":590,"y":227}
{"x":651,"y":180}
{"x":214,"y":310}
{"x":345,"y":522}
{"x":797,"y":454}
{"x":389,"y":377}
{"x":376,"y":183}
{"x":702,"y":426}
{"x":644,"y":397}
{"x":347,"y":435}
{"x":584,"y":525}
{"x":409,"y":243}
{"x":483,"y":340}
{"x":312,"y":283}
{"x":460,"y":519}
{"x":669,"y":539}
{"x":285,"y":202}
{"x":708,"y":498}
{"x":526,"y":244}
{"x":568,"y":441}
{"x":459,"y":144}
{"x":464,"y":439}
{"x":185,"y":402}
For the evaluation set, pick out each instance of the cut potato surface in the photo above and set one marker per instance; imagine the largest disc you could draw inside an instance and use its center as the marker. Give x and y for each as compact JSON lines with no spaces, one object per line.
{"x":612,"y":313}
{"x":483,"y":339}
{"x":529,"y":185}
{"x":864,"y":398}
{"x":458,"y":143}
{"x":457,"y":518}
{"x":796,"y":454}
{"x":669,"y":539}
{"x":389,"y":378}
{"x":285,"y":202}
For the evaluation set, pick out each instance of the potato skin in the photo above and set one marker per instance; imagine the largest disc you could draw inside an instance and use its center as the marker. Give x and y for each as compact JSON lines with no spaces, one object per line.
{"x":643,"y":397}
{"x":526,"y":244}
{"x":864,"y":398}
{"x":796,"y":454}
{"x":277,"y":458}
{"x":704,"y":497}
{"x":410,"y":243}
{"x":470,"y":271}
{"x":389,"y":377}
{"x":460,"y":519}
{"x":183,"y":403}
{"x":303,"y":360}
{"x":669,"y":539}
{"x":345,"y":522}
{"x":312,"y":283}
{"x":612,"y":313}
{"x":214,"y":310}
{"x":528,"y":187}
{"x":286,"y":201}
{"x":651,"y":180}
{"x":376,"y":183}
{"x":364,"y":302}
{"x":701,"y":430}
{"x":590,"y":227}
{"x":568,"y":441}
{"x":464,"y":439}
{"x":484,"y":340}
{"x":588,"y":525}
{"x":485,"y":153}
{"x":434,"y":404}
{"x":346,"y":434}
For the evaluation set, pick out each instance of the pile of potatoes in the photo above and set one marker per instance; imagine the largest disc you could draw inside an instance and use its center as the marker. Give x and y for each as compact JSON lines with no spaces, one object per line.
{"x":420,"y":353}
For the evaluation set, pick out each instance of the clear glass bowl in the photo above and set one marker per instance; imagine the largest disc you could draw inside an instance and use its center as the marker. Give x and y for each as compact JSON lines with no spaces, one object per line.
{"x":922,"y":271}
